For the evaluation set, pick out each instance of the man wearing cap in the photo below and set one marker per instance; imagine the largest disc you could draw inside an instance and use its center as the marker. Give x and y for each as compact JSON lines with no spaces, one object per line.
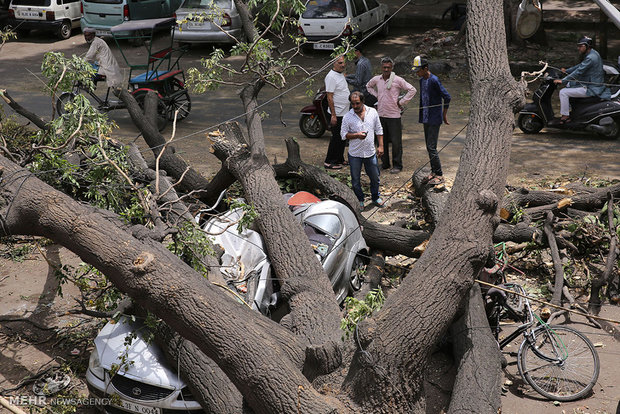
{"x":387,"y":88}
{"x":434,"y":102}
{"x":583,"y":80}
{"x":100,"y":52}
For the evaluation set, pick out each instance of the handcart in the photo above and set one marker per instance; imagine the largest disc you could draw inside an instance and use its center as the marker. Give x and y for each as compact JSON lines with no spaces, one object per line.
{"x":160,"y":70}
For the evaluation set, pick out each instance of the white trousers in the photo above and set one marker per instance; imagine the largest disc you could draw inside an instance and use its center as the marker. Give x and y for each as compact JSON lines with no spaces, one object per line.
{"x":580,"y":92}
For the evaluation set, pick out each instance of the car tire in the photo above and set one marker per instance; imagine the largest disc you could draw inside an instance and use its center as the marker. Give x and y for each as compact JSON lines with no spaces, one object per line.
{"x":64,"y":31}
{"x":356,"y":278}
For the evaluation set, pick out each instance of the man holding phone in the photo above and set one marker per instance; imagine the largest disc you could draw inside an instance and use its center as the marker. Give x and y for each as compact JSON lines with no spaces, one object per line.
{"x":360,"y":126}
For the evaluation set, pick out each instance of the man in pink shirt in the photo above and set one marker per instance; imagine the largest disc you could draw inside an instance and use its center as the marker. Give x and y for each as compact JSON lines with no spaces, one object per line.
{"x":387,"y":87}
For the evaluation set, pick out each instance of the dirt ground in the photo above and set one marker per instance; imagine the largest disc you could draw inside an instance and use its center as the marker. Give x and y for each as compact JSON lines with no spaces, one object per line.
{"x":29,"y":307}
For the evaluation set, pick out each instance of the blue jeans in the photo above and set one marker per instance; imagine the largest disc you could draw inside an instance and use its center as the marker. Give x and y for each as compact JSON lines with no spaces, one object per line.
{"x":431,"y":135}
{"x":372,"y":170}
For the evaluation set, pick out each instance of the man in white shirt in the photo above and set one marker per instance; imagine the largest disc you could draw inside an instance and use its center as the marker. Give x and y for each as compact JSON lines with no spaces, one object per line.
{"x":338,"y":101}
{"x":360,"y":126}
{"x":100,"y":52}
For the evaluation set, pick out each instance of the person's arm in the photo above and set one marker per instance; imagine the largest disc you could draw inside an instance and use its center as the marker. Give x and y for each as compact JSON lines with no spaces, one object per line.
{"x":332,"y":109}
{"x":91,"y":55}
{"x":370,"y":87}
{"x":379,"y":145}
{"x":445,"y":96}
{"x":577,"y":71}
{"x":411,"y":91}
{"x":379,"y":135}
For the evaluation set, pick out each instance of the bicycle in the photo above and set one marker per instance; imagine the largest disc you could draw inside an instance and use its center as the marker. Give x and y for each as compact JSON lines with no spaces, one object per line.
{"x":559,"y":362}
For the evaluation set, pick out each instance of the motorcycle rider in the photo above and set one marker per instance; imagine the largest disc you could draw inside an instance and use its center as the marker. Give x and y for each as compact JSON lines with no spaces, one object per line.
{"x":582,"y":80}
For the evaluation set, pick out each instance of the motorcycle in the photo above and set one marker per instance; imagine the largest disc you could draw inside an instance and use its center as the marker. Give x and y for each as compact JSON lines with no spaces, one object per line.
{"x":587,"y":114}
{"x":314,"y":121}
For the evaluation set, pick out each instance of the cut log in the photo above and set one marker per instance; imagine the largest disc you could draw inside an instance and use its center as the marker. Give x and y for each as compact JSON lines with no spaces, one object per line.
{"x":374,"y":272}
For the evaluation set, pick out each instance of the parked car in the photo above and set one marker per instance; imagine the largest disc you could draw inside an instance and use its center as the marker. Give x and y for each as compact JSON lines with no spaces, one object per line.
{"x":333,"y":232}
{"x":220,"y":22}
{"x":146,"y":385}
{"x":102,"y":15}
{"x":325,"y":22}
{"x":57,"y":16}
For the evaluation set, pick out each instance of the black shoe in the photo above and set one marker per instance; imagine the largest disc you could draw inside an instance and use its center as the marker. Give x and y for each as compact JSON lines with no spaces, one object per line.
{"x":385,"y":166}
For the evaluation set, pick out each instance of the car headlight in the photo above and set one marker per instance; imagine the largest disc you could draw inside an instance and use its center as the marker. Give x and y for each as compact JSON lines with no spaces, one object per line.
{"x":95,"y":365}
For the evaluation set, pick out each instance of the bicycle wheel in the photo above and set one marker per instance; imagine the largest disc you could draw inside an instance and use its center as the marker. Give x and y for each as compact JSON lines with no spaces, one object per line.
{"x":161,"y":109}
{"x":178,"y":100}
{"x":62,"y":100}
{"x":564,"y":366}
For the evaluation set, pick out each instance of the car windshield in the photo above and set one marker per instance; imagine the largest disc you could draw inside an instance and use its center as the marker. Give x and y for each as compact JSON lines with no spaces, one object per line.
{"x":206,"y":4}
{"x":38,"y":3}
{"x":327,"y":223}
{"x":325,"y":9}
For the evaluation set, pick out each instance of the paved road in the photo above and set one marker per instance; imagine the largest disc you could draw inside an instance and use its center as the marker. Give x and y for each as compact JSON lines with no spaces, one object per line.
{"x":538,"y":155}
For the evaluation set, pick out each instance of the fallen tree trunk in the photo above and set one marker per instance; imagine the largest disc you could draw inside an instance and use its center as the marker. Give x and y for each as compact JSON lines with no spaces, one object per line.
{"x":584,"y":200}
{"x":304,"y":285}
{"x":478,"y":380}
{"x":162,"y":283}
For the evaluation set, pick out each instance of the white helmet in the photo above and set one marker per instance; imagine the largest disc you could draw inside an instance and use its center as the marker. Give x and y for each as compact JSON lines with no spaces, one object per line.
{"x":419,"y":62}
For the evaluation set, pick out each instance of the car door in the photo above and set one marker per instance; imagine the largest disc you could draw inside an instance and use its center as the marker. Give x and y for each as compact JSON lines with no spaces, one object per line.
{"x":360,"y":19}
{"x":72,"y":11}
{"x":374,"y":14}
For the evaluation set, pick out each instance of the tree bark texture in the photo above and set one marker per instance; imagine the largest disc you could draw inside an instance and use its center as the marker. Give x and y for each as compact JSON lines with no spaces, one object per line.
{"x":225,"y":331}
{"x":386,"y":371}
{"x":478,"y":380}
{"x":582,"y":200}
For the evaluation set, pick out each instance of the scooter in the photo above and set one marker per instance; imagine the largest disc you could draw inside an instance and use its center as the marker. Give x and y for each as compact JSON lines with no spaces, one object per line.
{"x":587,"y":114}
{"x":313,"y":121}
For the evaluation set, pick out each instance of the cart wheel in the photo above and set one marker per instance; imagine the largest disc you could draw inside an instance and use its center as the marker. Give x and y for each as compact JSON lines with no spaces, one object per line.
{"x":62,"y":100}
{"x":161,"y":109}
{"x":178,"y":100}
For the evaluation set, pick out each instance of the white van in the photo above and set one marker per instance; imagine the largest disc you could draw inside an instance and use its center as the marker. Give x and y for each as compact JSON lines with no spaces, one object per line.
{"x":58,"y":16}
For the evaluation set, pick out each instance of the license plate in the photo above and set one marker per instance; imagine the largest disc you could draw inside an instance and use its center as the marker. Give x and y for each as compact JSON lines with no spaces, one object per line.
{"x":198,"y":24}
{"x":324,"y":46}
{"x":29,"y":14}
{"x":103,"y":33}
{"x":137,"y":408}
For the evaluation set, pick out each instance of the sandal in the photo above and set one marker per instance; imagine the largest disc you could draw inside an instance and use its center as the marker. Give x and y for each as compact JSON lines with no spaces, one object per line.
{"x":436,"y":180}
{"x":429,"y":177}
